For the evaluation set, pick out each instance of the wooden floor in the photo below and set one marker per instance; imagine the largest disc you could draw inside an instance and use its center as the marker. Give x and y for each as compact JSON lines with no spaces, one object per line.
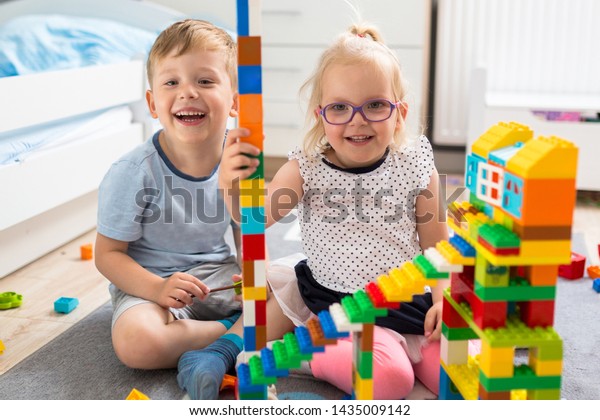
{"x":62,"y":273}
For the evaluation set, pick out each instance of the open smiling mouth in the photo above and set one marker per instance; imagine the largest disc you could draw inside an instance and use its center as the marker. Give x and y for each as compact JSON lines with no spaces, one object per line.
{"x":190,"y":116}
{"x":359,"y":139}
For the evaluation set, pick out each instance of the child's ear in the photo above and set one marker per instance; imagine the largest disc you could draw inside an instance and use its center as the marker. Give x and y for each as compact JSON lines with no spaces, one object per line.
{"x":233,"y":112}
{"x":403,"y":108}
{"x":151,"y":104}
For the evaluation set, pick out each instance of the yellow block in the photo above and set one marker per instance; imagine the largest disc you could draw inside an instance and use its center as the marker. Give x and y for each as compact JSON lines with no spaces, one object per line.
{"x":136,"y":395}
{"x":252,"y":192}
{"x":254,"y":293}
{"x":546,"y":367}
{"x":363,"y":388}
{"x":497,"y":362}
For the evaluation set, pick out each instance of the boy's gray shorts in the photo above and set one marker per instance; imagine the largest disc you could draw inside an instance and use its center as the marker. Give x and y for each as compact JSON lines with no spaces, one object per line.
{"x":218,"y":306}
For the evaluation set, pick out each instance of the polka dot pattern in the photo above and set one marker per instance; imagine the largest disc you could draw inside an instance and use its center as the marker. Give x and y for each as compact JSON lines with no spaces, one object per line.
{"x":356,"y":227}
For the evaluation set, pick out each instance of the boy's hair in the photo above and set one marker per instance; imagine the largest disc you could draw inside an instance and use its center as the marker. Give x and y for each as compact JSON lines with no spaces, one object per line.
{"x":190,"y":34}
{"x":361,"y":44}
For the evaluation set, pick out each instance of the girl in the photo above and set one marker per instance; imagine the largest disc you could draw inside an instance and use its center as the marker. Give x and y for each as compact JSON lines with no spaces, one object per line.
{"x":367,"y":200}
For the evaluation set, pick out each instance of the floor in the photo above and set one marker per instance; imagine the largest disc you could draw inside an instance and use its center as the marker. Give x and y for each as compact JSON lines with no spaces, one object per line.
{"x":62,"y":273}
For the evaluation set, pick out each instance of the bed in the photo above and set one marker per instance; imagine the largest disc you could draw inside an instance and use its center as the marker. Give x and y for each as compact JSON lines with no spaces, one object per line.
{"x":49,"y":193}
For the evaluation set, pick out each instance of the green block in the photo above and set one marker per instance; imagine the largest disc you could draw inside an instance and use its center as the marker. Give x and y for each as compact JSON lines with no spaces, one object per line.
{"x":518,"y":290}
{"x":352,"y":310}
{"x":254,"y":395}
{"x":515,"y":334}
{"x":499,"y":237}
{"x":428,"y":270}
{"x":10,"y":300}
{"x":365,"y":364}
{"x":260,"y":170}
{"x":524,"y":378}
{"x":370,"y":312}
{"x":257,"y":372}
{"x":458,"y":334}
{"x":293,"y":348}
{"x":476,"y":202}
{"x":282,"y":360}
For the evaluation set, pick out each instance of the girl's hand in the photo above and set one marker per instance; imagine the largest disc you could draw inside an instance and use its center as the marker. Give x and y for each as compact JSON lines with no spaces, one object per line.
{"x":433,"y":322}
{"x":179,"y":291}
{"x":237,"y":161}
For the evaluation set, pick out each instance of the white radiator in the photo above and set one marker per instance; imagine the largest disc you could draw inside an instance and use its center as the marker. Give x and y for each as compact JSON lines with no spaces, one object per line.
{"x":526,"y":46}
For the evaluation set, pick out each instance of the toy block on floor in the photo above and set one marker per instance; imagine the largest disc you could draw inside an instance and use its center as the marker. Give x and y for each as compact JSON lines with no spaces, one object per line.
{"x":9,"y":300}
{"x":86,"y":252}
{"x":575,"y":269}
{"x":2,"y":348}
{"x":65,"y":304}
{"x":137,"y":395}
{"x":596,"y":285}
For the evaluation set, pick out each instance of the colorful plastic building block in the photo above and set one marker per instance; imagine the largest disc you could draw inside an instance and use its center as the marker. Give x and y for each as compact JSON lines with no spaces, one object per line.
{"x":136,"y":395}
{"x":65,"y":304}
{"x":596,"y":285}
{"x":10,"y":300}
{"x":574,"y":270}
{"x":229,"y":381}
{"x":593,"y":271}
{"x":86,"y":252}
{"x":2,"y":347}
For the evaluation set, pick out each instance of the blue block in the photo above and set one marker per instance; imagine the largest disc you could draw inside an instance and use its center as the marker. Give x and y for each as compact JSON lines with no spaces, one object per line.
{"x":465,"y":249}
{"x":447,"y":388}
{"x":243,"y":18}
{"x":250,"y":339}
{"x":65,"y":304}
{"x":305,"y":342}
{"x":596,"y":285}
{"x":245,"y":385}
{"x":250,"y":80}
{"x":329,"y":328}
{"x":269,"y":366}
{"x":253,"y":220}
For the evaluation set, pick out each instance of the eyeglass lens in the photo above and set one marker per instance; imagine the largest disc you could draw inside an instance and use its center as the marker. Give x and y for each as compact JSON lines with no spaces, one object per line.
{"x":374,"y":111}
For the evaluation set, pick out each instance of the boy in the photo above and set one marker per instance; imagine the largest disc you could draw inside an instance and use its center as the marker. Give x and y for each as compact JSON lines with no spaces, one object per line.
{"x":161,"y":220}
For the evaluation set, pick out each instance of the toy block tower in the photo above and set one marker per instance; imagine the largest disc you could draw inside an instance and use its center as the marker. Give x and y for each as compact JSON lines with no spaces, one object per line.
{"x":252,"y":192}
{"x":517,"y":226}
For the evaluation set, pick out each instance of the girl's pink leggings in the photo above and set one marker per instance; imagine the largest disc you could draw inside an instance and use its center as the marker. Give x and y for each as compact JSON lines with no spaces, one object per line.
{"x":393,"y":373}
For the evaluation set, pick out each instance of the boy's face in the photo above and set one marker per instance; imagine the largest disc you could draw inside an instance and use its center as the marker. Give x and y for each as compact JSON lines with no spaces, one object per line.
{"x":191,"y":95}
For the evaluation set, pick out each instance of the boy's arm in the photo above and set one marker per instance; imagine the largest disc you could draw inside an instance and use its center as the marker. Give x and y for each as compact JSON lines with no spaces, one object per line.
{"x":130,"y":277}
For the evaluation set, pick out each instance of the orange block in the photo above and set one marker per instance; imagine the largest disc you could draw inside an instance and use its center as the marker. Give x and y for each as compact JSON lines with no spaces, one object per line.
{"x":251,"y":109}
{"x":256,"y":136}
{"x":542,"y":275}
{"x":593,"y":271}
{"x":548,"y":202}
{"x":86,"y":252}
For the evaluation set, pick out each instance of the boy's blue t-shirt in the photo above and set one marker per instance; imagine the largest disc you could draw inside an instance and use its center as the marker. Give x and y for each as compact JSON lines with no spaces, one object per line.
{"x":171,"y":220}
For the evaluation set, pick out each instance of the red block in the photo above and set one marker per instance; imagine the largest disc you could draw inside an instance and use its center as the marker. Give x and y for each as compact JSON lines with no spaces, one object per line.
{"x":574,"y":270}
{"x":538,"y":313}
{"x":253,"y":247}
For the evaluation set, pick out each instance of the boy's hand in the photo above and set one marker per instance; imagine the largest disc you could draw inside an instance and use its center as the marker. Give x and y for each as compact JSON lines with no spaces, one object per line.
{"x":237,"y":161}
{"x":179,"y":290}
{"x":433,"y":322}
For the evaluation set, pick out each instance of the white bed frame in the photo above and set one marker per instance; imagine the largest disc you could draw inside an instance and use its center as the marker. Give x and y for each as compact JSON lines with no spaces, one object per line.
{"x":51,"y":199}
{"x":486,"y":108}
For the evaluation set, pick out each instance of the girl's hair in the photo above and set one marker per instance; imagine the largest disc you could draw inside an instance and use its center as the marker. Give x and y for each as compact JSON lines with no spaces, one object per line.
{"x":191,"y":34}
{"x":361,"y":44}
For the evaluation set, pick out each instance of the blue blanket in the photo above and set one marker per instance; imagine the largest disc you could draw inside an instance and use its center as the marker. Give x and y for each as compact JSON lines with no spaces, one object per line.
{"x":36,"y":43}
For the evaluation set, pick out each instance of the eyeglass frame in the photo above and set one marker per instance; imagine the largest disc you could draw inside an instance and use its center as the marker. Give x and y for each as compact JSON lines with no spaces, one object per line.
{"x":355,"y":109}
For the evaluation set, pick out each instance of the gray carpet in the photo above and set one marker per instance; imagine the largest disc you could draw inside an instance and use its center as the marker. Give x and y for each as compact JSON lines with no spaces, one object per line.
{"x":80,"y":363}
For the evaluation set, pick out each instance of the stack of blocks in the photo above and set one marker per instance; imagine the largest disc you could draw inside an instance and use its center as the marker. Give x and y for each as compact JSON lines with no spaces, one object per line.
{"x":252,"y":190}
{"x":517,"y":226}
{"x":355,"y":314}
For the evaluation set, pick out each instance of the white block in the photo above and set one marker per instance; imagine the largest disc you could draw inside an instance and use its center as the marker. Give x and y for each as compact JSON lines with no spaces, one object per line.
{"x":340,"y":319}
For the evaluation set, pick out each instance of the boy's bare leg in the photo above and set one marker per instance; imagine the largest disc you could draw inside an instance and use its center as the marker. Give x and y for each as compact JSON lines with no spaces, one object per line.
{"x":147,"y":336}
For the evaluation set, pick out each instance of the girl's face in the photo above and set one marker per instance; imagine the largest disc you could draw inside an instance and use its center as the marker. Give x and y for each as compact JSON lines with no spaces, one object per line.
{"x":191,"y":95}
{"x":358,"y":143}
